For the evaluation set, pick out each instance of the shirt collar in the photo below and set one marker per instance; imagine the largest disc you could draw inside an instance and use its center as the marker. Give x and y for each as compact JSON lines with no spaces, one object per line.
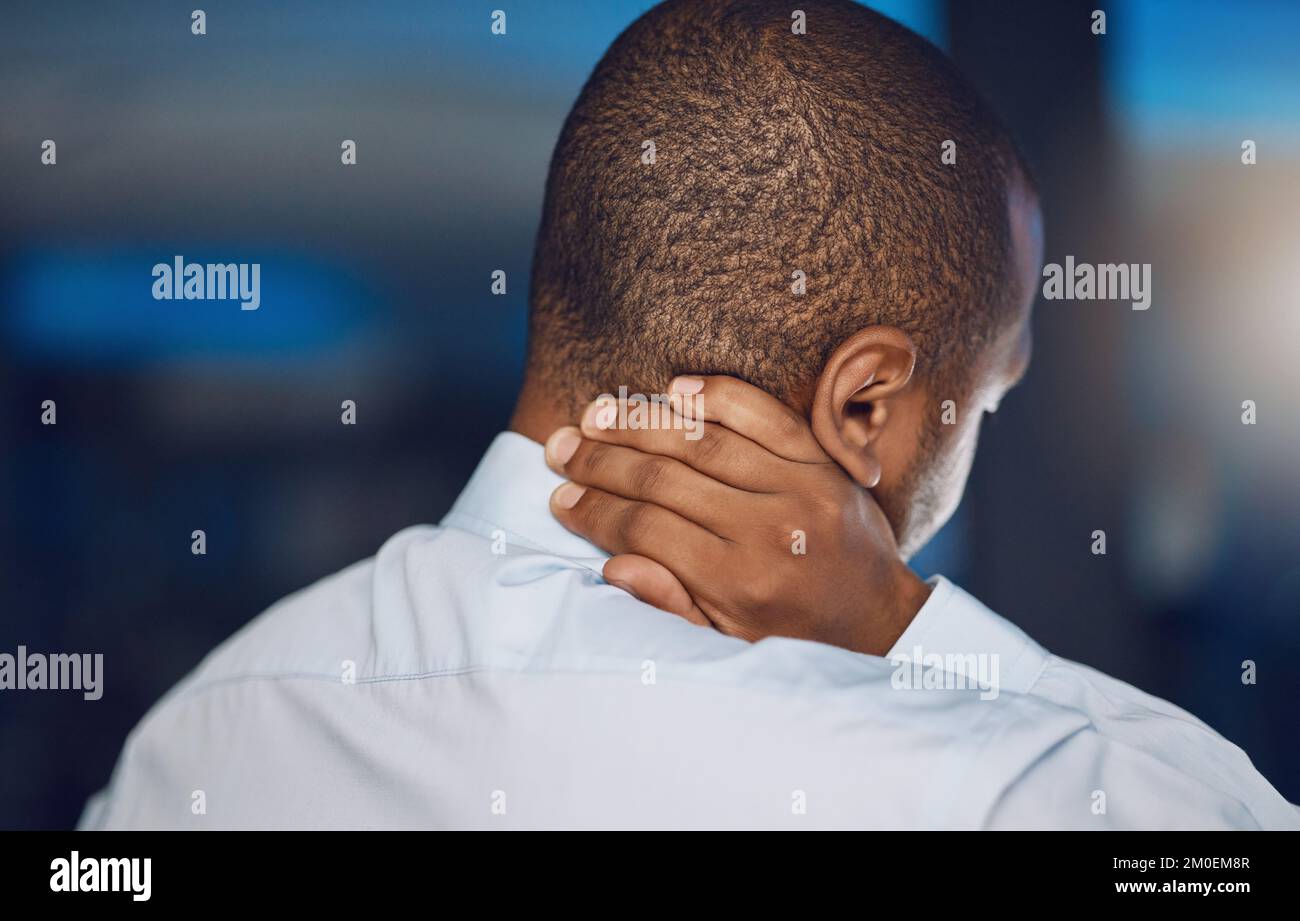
{"x":510,"y":493}
{"x":509,"y":496}
{"x":954,"y":625}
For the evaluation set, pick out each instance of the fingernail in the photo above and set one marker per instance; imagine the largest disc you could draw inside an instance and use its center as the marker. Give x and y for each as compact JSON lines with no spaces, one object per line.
{"x":625,"y":587}
{"x":686,"y":385}
{"x":568,"y":494}
{"x":600,"y":415}
{"x":560,"y":447}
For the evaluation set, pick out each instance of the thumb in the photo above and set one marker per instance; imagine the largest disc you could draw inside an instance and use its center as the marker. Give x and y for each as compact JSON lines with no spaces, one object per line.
{"x":652,"y":583}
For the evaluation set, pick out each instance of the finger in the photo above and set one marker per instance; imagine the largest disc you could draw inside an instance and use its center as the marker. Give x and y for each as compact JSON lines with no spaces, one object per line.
{"x":619,"y":526}
{"x":748,"y":411}
{"x":654,"y":478}
{"x":654,"y":584}
{"x":707,"y":447}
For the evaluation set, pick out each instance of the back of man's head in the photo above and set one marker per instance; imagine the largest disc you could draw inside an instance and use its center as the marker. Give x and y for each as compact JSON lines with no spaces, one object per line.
{"x":774,"y":153}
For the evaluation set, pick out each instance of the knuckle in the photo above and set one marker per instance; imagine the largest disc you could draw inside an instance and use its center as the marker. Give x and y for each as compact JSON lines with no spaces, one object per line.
{"x":590,"y":510}
{"x":799,"y":521}
{"x":592,"y":459}
{"x":632,"y":522}
{"x":746,"y":594}
{"x":782,"y":539}
{"x":820,"y":504}
{"x":648,"y":475}
{"x":829,"y":505}
{"x":755,"y":590}
{"x":708,"y":448}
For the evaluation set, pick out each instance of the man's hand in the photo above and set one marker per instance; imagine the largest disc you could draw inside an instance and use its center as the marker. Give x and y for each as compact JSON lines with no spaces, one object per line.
{"x":749,"y":527}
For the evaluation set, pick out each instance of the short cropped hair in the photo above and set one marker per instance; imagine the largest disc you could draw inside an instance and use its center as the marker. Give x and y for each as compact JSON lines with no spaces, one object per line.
{"x":774,"y":153}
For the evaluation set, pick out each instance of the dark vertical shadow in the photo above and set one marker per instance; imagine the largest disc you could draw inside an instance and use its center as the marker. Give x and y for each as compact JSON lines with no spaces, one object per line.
{"x":1051,"y":466}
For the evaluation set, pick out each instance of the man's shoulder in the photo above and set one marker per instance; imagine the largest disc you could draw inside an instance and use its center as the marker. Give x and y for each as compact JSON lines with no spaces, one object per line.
{"x":1108,"y":699}
{"x":1165,"y":750}
{"x":377,"y":666}
{"x":959,"y":631}
{"x":437,"y":601}
{"x":1145,"y":745}
{"x":1130,"y":717}
{"x":313,"y":632}
{"x":402,"y":612}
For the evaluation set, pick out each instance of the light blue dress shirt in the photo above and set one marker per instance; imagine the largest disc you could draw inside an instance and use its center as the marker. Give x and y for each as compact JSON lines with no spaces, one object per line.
{"x":480,"y":674}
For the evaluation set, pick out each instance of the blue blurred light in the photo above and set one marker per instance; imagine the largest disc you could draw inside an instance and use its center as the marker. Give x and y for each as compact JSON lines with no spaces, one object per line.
{"x":561,"y":41}
{"x":1195,"y":72}
{"x":96,"y":307}
{"x":924,"y":17}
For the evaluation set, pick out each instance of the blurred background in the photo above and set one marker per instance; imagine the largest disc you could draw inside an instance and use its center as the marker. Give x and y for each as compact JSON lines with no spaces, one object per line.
{"x":178,"y":416}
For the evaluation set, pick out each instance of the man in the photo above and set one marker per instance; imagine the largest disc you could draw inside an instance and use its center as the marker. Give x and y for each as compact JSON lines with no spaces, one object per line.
{"x":760,"y":224}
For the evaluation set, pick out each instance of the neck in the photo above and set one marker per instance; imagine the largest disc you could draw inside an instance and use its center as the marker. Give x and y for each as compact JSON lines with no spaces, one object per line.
{"x":537,"y":415}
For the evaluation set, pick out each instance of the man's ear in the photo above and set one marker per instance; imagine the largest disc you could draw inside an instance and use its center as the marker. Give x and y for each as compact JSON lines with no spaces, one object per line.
{"x":852,"y":404}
